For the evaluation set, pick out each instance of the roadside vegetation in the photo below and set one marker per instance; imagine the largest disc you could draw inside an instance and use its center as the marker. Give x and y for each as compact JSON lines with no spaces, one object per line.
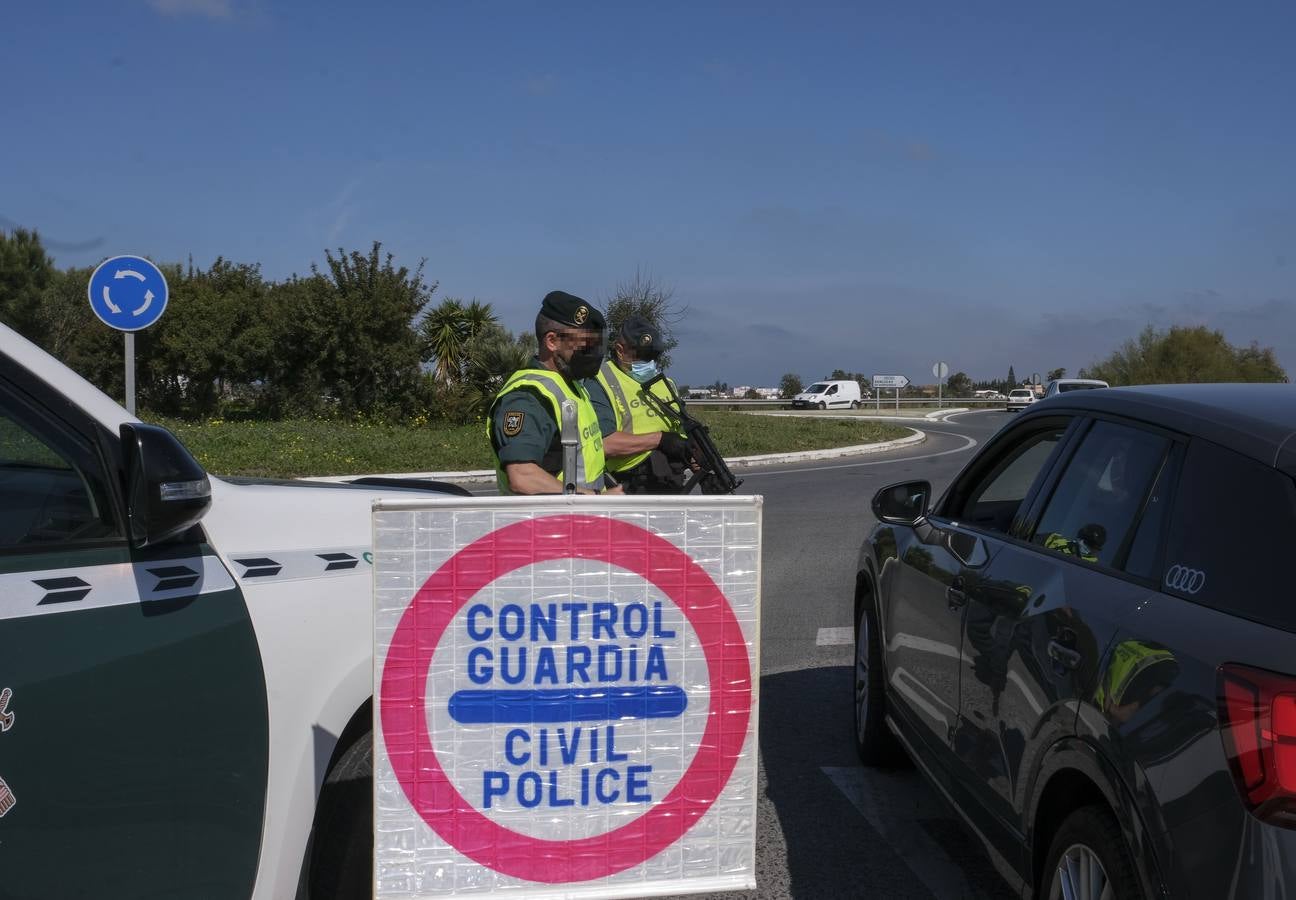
{"x":297,"y":447}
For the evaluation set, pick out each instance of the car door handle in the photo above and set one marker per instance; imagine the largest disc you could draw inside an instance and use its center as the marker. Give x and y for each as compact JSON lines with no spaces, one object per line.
{"x":955,"y":596}
{"x":1064,"y":656}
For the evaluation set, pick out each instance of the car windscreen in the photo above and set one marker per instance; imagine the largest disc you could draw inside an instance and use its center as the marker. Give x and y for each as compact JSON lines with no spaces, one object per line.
{"x":1063,"y":388}
{"x":816,"y":389}
{"x":1234,"y":522}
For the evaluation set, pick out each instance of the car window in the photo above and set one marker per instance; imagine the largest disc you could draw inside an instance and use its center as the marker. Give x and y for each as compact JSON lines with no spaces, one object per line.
{"x":994,"y":496}
{"x":1233,"y":526}
{"x":1153,"y":523}
{"x":1063,"y":388}
{"x":1097,"y":501}
{"x":815,"y":389}
{"x":49,"y":494}
{"x":833,"y":389}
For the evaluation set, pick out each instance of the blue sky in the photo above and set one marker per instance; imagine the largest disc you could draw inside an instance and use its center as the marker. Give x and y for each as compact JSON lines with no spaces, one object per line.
{"x":866,"y":186}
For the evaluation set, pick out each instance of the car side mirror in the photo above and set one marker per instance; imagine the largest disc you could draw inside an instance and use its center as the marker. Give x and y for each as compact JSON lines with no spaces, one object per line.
{"x":902,"y":504}
{"x":167,"y":491}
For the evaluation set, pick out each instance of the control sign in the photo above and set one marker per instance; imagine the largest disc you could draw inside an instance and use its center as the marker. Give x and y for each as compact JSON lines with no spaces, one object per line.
{"x":565,"y":696}
{"x":128,"y":293}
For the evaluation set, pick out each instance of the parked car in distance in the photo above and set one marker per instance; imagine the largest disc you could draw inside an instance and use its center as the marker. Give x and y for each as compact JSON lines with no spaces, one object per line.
{"x":1088,"y":645}
{"x":1019,"y":399}
{"x":829,"y":395}
{"x":1066,"y":385}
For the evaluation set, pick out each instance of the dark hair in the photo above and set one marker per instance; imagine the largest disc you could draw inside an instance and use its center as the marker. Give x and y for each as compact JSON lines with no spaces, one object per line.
{"x":544,"y":325}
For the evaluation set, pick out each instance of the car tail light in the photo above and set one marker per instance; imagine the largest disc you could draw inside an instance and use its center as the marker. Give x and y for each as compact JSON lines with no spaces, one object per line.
{"x":1258,"y":726}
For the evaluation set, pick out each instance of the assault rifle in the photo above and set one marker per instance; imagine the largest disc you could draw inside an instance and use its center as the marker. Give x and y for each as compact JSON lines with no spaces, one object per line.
{"x":712,"y":473}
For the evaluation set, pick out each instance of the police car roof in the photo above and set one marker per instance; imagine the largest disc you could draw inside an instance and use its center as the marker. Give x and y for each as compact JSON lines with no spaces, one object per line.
{"x":1257,"y":420}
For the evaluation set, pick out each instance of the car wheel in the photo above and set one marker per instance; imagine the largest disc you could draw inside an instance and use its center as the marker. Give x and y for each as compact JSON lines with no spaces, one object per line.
{"x":823,"y":405}
{"x":1088,"y":860}
{"x":854,"y":404}
{"x":342,"y":853}
{"x":874,"y":742}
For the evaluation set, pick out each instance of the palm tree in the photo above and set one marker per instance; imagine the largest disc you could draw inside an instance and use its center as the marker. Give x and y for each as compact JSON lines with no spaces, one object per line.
{"x":446,"y":332}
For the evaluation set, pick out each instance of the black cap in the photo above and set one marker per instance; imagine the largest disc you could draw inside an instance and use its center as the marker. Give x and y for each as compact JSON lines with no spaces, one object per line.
{"x":642,"y":336}
{"x":568,"y":309}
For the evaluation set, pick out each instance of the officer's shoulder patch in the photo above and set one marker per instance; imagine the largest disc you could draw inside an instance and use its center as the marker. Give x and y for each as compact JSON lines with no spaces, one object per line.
{"x":513,"y":421}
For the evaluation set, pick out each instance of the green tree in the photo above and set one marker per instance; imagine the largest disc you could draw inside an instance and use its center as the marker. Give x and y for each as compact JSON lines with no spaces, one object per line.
{"x":343,"y":338}
{"x":1184,"y":354}
{"x":750,"y":394}
{"x":790,"y":386}
{"x":1055,"y":374}
{"x":645,"y":296}
{"x":446,"y":331}
{"x":25,"y":272}
{"x":1012,"y":379}
{"x":959,"y":385}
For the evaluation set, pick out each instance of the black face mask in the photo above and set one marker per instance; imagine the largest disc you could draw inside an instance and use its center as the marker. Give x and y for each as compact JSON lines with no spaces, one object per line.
{"x":581,"y":364}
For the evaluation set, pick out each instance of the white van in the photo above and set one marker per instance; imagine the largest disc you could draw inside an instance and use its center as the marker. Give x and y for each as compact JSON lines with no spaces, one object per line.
{"x":829,"y":395}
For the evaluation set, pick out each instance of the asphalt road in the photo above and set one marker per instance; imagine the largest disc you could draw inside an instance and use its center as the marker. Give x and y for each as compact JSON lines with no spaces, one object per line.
{"x":827,"y":827}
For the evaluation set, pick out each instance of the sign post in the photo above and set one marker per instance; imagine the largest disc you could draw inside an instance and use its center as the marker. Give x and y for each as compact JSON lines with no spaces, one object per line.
{"x":128,"y":293}
{"x":565,"y":700}
{"x":940,"y":370}
{"x":890,"y":381}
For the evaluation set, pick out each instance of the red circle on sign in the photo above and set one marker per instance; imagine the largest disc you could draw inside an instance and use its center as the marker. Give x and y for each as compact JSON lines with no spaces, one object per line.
{"x":409,"y":657}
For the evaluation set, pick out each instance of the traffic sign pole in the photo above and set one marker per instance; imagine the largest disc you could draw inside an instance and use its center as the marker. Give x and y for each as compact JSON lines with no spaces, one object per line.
{"x":130,"y":372}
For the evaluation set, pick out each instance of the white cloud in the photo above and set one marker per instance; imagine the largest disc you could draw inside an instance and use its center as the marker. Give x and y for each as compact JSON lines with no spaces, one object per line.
{"x":212,"y":9}
{"x":541,"y":85}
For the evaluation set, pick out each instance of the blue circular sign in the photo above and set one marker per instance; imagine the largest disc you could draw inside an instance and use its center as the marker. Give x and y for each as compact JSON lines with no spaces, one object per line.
{"x":128,"y":293}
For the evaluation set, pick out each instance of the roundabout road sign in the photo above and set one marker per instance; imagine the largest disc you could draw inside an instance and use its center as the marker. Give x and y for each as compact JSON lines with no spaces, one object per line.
{"x":128,"y":293}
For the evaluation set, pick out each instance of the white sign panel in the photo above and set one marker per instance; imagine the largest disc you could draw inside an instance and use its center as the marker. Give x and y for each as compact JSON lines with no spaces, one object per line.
{"x":890,"y":381}
{"x":566,"y":696}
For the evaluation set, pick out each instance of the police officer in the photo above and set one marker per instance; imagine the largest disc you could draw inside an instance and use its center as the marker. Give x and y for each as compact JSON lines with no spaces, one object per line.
{"x":524,"y":422}
{"x":647,"y":454}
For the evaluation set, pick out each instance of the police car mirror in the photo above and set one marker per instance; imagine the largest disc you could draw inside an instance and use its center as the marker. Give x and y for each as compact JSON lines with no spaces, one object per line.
{"x":167,"y":491}
{"x":902,"y":504}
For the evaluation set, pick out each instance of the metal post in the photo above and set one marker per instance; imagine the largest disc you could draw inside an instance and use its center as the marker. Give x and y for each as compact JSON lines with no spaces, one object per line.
{"x":570,"y":442}
{"x":130,"y":372}
{"x":940,"y":393}
{"x":897,"y":399}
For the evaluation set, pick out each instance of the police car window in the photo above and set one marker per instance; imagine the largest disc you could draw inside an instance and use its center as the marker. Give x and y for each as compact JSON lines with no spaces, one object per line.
{"x":1231,"y":532}
{"x":993,"y":501}
{"x":45,"y":497}
{"x":1099,"y":497}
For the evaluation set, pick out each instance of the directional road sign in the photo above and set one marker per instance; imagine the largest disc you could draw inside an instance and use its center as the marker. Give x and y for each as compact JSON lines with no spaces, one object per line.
{"x":890,"y":381}
{"x":128,"y":293}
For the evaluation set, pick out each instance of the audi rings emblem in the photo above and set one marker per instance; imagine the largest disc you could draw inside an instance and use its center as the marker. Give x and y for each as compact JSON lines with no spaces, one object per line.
{"x":1185,"y":580}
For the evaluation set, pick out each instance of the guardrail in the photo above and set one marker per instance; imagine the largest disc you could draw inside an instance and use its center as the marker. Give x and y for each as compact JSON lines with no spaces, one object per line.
{"x":721,"y":402}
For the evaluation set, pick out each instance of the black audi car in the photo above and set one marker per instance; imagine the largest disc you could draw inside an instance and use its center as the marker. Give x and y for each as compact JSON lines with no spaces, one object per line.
{"x":1088,"y":643}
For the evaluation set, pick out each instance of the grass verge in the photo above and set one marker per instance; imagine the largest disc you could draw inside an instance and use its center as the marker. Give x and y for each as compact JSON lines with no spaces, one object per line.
{"x":294,"y":448}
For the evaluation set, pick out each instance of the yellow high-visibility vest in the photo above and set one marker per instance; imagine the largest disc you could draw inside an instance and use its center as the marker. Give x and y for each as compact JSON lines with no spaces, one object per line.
{"x":590,"y":464}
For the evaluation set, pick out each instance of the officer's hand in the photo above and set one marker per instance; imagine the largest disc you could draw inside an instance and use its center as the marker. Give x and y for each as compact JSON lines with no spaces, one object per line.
{"x":675,"y":447}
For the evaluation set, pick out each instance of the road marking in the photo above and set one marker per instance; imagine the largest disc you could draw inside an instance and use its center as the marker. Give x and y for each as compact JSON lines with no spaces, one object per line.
{"x":835,"y":637}
{"x":894,"y":803}
{"x":968,"y":445}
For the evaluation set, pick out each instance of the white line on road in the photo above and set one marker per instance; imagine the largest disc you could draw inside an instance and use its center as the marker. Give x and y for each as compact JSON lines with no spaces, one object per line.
{"x":893,"y":803}
{"x":835,"y":637}
{"x":968,"y":445}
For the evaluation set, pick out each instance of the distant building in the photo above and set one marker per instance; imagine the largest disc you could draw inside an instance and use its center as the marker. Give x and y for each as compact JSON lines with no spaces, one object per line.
{"x":769,"y":393}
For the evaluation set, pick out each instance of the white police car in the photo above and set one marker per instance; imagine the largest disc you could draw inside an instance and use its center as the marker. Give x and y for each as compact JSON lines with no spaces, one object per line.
{"x":185,"y":661}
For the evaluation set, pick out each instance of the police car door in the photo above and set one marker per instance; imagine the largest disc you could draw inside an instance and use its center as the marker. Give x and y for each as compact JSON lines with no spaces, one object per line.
{"x":133,"y":733}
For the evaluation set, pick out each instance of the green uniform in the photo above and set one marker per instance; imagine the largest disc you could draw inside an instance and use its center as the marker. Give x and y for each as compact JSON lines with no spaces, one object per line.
{"x":620,"y":395}
{"x":524,"y":426}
